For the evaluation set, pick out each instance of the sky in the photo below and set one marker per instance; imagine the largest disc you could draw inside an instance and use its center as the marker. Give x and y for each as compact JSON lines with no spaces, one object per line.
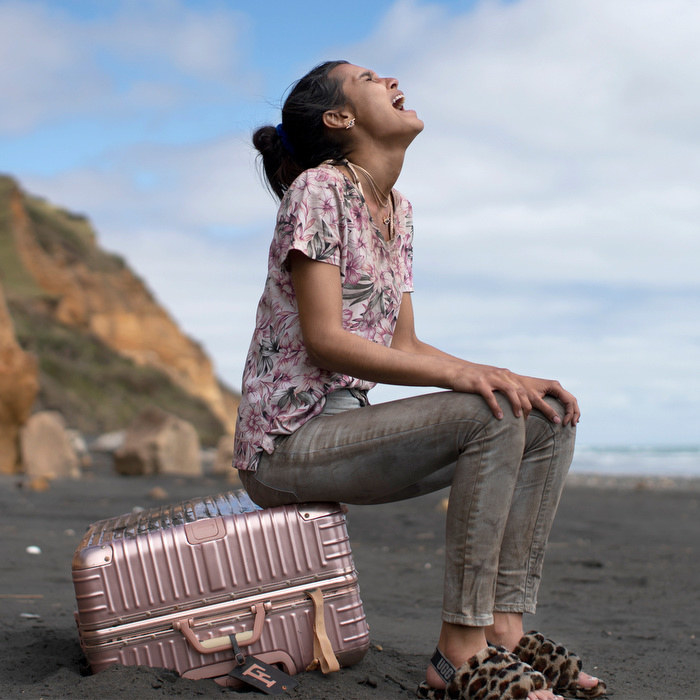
{"x":555,"y":186}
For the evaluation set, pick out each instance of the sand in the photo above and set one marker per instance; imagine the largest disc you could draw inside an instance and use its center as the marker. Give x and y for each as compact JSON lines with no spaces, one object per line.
{"x":620,"y":587}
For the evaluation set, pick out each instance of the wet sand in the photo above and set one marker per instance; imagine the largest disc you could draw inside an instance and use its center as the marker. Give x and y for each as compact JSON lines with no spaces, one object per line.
{"x":620,"y":587}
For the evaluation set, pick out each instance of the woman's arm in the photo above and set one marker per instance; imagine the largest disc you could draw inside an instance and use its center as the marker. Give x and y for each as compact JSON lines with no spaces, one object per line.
{"x":536,"y":389}
{"x":408,"y":361}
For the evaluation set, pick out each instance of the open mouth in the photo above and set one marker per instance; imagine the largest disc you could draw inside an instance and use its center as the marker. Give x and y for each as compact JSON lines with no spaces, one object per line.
{"x":398,"y":101}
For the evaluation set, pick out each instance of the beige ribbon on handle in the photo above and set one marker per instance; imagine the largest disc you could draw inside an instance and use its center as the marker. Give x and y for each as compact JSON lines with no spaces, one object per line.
{"x":324,"y":656}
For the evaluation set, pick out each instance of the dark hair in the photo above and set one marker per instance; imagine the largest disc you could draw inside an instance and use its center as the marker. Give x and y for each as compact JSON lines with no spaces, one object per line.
{"x":306,"y":141}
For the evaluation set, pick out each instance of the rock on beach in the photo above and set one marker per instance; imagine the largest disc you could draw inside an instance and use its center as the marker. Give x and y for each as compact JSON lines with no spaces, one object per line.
{"x":157,"y":442}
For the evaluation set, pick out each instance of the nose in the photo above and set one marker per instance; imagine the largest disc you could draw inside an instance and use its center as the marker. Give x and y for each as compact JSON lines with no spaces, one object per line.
{"x":392,"y":83}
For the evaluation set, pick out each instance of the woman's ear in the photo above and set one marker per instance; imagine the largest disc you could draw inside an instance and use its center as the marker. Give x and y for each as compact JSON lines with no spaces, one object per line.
{"x":336,"y":118}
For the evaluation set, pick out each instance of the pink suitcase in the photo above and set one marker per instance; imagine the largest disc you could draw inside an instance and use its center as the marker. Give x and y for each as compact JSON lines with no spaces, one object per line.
{"x":167,"y":587}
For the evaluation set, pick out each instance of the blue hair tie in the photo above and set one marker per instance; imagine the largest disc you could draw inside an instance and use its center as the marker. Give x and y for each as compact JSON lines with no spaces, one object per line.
{"x":285,"y":141}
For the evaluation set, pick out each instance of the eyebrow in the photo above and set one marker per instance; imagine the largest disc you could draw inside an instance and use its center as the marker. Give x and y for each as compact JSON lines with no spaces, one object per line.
{"x":367,"y":73}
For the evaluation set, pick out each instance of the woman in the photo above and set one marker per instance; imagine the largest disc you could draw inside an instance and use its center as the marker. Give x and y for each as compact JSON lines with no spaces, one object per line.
{"x":336,"y":317}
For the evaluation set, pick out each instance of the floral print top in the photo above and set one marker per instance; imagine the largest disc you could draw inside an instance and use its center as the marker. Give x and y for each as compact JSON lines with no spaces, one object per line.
{"x":324,"y":216}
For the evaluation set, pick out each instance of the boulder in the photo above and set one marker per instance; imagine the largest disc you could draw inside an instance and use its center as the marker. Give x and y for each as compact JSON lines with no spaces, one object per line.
{"x":19,"y":384}
{"x":223,"y":460}
{"x":47,"y":450}
{"x":224,"y":455}
{"x":157,"y":442}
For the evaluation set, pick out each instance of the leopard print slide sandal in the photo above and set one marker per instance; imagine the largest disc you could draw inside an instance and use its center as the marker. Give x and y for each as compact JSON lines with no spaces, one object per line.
{"x":492,"y":674}
{"x":557,"y":664}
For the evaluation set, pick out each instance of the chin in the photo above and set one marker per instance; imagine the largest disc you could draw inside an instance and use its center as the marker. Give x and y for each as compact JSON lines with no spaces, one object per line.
{"x":419,"y":126}
{"x":418,"y":122}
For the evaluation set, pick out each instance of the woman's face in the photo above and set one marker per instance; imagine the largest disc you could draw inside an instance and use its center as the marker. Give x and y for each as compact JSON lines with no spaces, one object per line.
{"x":377,"y":104}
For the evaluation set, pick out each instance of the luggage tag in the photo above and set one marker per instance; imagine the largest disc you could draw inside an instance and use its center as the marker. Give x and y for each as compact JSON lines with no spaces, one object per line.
{"x":265,"y":677}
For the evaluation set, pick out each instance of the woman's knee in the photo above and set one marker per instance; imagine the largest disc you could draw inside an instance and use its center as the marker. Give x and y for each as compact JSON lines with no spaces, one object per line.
{"x":479,"y":429}
{"x":543,"y":433}
{"x":474,"y":406}
{"x":564,"y":432}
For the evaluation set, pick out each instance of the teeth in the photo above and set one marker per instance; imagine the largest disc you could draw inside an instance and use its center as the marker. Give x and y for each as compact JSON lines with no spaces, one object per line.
{"x":398,"y":100}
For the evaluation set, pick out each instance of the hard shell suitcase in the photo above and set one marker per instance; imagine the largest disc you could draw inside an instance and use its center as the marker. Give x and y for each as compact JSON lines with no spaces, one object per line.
{"x":166,"y":588}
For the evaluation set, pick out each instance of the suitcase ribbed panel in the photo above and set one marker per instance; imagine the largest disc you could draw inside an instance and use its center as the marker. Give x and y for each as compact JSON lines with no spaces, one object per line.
{"x":288,"y":627}
{"x":203,"y":551}
{"x":131,"y":525}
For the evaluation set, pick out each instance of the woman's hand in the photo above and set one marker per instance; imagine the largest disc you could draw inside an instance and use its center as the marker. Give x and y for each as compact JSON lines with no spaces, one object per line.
{"x":523,"y":393}
{"x":537,"y":389}
{"x":486,"y":380}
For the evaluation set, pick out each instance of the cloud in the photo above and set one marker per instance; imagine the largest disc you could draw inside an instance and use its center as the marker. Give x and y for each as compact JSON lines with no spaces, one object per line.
{"x":127,"y":58}
{"x":561,"y":127}
{"x":37,"y":53}
{"x":198,"y":42}
{"x":208,"y":186}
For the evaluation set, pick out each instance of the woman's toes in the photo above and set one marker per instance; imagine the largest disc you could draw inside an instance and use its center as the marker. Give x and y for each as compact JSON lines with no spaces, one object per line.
{"x":585,"y":680}
{"x":543,"y":695}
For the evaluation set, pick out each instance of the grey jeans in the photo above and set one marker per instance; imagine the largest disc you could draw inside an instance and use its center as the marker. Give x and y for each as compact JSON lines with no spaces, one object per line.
{"x":506,"y":477}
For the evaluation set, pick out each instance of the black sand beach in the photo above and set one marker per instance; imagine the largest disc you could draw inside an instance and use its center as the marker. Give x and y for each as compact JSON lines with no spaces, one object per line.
{"x":620,"y":588}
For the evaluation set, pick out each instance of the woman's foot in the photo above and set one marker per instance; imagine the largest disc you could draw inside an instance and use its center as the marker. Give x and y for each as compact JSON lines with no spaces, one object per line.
{"x":458,"y":645}
{"x":507,"y":631}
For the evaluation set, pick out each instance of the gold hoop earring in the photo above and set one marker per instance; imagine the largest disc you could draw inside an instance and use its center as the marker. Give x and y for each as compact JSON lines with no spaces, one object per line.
{"x":350,"y":123}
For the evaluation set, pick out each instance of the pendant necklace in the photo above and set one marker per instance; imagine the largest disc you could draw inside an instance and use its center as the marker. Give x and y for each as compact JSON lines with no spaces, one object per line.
{"x":388,"y":202}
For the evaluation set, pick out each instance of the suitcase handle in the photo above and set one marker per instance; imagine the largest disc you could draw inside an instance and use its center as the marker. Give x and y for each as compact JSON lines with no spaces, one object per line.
{"x":211,"y":646}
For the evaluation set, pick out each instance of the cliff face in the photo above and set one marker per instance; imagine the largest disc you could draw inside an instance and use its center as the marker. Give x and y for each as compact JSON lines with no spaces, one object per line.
{"x":18,"y":388}
{"x":50,"y":258}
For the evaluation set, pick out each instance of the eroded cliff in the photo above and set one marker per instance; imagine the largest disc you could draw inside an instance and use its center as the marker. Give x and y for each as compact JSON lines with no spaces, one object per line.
{"x":52,"y":266}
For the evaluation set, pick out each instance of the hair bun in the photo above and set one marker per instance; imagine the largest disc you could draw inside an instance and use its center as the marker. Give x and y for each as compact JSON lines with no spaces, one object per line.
{"x":267,"y":141}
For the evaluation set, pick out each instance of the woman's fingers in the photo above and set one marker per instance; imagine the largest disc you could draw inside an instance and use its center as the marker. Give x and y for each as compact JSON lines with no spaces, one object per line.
{"x":515,"y":392}
{"x":572,"y":413}
{"x":503,"y":381}
{"x":493,"y":404}
{"x":550,"y":413}
{"x":525,"y":401}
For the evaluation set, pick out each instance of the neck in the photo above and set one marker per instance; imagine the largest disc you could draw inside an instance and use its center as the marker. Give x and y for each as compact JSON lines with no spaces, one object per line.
{"x":384,"y":167}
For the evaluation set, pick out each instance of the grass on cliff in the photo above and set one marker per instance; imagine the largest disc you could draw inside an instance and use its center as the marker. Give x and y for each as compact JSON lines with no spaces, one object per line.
{"x":63,"y":234}
{"x":96,"y":389}
{"x":13,"y":275}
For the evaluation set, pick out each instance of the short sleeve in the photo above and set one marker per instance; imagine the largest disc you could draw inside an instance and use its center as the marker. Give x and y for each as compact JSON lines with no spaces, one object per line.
{"x":310,"y":218}
{"x":406,"y":247}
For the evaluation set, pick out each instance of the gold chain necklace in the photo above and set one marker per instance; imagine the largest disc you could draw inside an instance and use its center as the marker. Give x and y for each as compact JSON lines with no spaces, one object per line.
{"x":388,"y":202}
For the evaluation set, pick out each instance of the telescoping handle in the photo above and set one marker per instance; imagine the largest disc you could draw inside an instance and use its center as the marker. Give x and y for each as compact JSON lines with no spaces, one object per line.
{"x":211,"y":646}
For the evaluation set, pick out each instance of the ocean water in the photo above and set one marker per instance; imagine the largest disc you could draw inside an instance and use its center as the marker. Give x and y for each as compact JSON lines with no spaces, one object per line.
{"x":638,"y":461}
